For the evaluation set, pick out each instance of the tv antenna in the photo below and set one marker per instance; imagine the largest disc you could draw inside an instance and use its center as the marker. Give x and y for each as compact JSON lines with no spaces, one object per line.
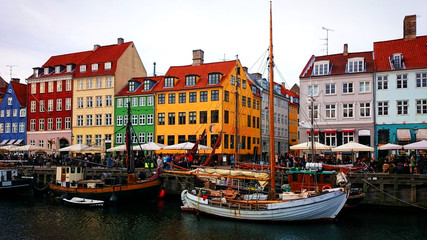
{"x":11,"y":70}
{"x":327,"y":38}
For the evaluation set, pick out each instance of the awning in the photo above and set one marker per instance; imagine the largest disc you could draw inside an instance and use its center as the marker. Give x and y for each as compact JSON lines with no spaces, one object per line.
{"x":364,"y":133}
{"x":347,"y":130}
{"x":330,"y":131}
{"x":422,"y":134}
{"x":18,"y":142}
{"x":4,"y":142}
{"x":315,"y":131}
{"x":11,"y":142}
{"x":403,"y":135}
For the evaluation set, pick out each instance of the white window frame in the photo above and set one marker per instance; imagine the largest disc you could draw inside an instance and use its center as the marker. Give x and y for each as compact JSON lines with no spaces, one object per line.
{"x":365,"y":87}
{"x":321,"y":68}
{"x":355,"y":65}
{"x":346,"y":88}
{"x":382,"y":82}
{"x":348,"y":108}
{"x":365,"y":109}
{"x":330,"y":89}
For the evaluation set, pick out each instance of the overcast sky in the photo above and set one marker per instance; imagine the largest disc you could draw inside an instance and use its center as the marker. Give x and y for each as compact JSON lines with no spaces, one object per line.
{"x":166,"y":32}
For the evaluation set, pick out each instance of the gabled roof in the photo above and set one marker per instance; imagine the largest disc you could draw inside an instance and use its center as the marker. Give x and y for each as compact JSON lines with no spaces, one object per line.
{"x":140,"y":90}
{"x":200,"y":70}
{"x":338,"y":63}
{"x":20,"y":92}
{"x":101,"y":55}
{"x":414,"y":52}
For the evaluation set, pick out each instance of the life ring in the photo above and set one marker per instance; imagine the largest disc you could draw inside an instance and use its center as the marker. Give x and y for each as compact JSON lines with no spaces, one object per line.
{"x":326,"y":187}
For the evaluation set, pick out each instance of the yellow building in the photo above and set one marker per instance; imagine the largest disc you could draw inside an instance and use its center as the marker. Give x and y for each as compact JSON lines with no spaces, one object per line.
{"x":95,"y":83}
{"x":202,"y":96}
{"x":293,"y":115}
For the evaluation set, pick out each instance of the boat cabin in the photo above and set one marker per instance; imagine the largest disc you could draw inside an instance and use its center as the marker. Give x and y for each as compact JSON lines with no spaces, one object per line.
{"x":309,"y":180}
{"x":68,"y":176}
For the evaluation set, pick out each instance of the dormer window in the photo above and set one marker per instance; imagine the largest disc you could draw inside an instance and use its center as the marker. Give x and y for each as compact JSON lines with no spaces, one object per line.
{"x":355,"y":65}
{"x":131,"y":86}
{"x":213,"y":78}
{"x":146,"y":84}
{"x":107,"y":65}
{"x":396,"y":61}
{"x":169,"y":82}
{"x":46,"y":70}
{"x":95,"y":67}
{"x":190,"y":80}
{"x":57,"y":69}
{"x":82,"y":68}
{"x":69,"y":68}
{"x":321,"y":68}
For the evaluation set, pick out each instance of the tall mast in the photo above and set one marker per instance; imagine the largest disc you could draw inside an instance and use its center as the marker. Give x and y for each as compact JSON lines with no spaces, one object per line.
{"x":129,"y":159}
{"x":271,"y":108}
{"x":236,"y":145}
{"x":312,"y":128}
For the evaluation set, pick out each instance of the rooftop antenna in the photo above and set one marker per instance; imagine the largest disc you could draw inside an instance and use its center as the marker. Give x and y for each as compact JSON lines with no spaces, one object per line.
{"x":11,"y":70}
{"x":327,"y":38}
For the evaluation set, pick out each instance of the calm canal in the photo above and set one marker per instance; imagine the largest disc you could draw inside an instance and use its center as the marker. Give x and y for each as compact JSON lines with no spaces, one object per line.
{"x":41,"y":218}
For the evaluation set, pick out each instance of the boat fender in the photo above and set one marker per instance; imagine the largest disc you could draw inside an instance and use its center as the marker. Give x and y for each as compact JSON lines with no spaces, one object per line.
{"x":326,"y":187}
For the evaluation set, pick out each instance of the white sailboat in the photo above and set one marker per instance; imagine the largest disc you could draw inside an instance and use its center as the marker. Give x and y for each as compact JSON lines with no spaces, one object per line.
{"x":305,"y":205}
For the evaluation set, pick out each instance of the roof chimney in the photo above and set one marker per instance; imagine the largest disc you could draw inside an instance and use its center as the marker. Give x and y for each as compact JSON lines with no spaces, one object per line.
{"x":154,"y":70}
{"x":245,"y":69}
{"x":120,"y":41}
{"x":410,"y":27}
{"x":257,"y":75}
{"x":198,"y":57}
{"x":345,"y":52}
{"x":17,"y":80}
{"x":96,"y":46}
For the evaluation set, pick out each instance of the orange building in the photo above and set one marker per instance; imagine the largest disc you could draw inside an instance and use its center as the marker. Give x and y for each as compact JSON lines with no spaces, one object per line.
{"x":192,"y":98}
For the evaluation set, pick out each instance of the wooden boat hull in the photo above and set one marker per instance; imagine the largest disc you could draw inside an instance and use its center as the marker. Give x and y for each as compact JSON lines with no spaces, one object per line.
{"x":140,"y":191}
{"x":322,"y":207}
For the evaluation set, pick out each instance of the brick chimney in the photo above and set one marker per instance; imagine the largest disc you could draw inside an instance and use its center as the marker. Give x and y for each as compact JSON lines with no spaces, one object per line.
{"x":257,"y":75}
{"x":198,"y":56}
{"x":410,"y":27}
{"x":345,"y":52}
{"x":120,"y":41}
{"x":96,"y":46}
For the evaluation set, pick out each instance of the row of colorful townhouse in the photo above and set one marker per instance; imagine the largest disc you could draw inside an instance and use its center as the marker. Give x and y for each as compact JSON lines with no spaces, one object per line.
{"x":374,"y":97}
{"x":83,"y":98}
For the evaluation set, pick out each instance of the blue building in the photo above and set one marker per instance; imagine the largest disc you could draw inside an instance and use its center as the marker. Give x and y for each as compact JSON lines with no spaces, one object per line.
{"x":13,"y":114}
{"x":401,"y":87}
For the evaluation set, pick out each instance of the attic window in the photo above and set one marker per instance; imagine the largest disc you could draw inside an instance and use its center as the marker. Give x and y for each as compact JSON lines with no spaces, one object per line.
{"x":169,"y":81}
{"x":396,"y":61}
{"x":82,"y":68}
{"x":107,"y":65}
{"x":355,"y":65}
{"x":321,"y":68}
{"x":46,"y":70}
{"x":95,"y":67}
{"x":146,"y":84}
{"x":131,"y":86}
{"x":57,"y":69}
{"x":69,"y":68}
{"x":190,"y":80}
{"x":214,"y":78}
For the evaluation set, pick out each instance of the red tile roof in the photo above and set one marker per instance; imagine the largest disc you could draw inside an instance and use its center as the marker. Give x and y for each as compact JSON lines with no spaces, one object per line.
{"x":201,"y":70}
{"x":101,"y":55}
{"x":140,"y":90}
{"x":20,"y":92}
{"x":414,"y":52}
{"x":338,"y":62}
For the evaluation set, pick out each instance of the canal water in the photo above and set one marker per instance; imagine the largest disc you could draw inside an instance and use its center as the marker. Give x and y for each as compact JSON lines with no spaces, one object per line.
{"x":44,"y":218}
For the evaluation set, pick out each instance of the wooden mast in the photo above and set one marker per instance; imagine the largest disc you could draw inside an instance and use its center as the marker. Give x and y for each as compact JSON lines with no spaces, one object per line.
{"x":236,"y":140}
{"x":271,"y":111}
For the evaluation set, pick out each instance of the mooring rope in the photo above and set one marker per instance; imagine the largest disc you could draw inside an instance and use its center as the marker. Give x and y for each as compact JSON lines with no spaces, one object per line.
{"x":401,"y":200}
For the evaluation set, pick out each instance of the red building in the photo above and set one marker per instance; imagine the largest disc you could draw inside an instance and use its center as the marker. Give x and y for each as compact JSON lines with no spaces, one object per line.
{"x":50,"y":95}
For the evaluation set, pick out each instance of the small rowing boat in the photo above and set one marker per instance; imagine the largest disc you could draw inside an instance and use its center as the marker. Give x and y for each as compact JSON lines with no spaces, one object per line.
{"x":84,"y":202}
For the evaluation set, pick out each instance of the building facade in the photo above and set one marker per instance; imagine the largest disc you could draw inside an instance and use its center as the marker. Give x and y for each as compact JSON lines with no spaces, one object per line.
{"x":341,"y":89}
{"x":202,"y":96}
{"x":50,"y":94}
{"x":96,"y":80}
{"x":293,"y":115}
{"x":139,"y":93}
{"x":13,"y":114}
{"x":401,"y":87}
{"x":281,"y":118}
